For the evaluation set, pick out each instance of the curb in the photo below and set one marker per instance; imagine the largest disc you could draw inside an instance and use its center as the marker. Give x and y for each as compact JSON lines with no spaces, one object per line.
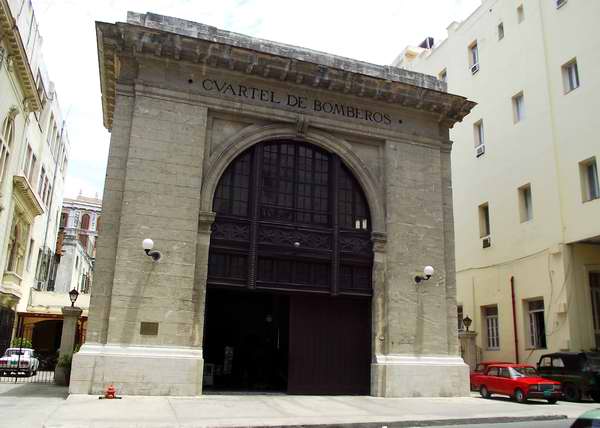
{"x":423,"y":423}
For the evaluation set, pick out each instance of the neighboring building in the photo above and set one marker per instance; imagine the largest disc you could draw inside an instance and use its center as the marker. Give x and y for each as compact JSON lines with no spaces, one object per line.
{"x":33,"y":162}
{"x":72,"y":268}
{"x":79,"y":224}
{"x":525,"y":172}
{"x":294,"y":196}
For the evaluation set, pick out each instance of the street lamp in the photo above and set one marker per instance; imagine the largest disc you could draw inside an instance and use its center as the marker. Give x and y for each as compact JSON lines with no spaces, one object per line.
{"x":427,"y":273}
{"x":73,"y":295}
{"x":467,"y":322}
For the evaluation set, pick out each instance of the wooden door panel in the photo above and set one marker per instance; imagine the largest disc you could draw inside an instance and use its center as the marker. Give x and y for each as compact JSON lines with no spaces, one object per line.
{"x":329,"y":349}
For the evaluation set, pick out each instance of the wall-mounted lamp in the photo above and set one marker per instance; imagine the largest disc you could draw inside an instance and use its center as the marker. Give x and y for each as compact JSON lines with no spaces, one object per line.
{"x":467,"y":322}
{"x":427,"y":273}
{"x":148,"y":245}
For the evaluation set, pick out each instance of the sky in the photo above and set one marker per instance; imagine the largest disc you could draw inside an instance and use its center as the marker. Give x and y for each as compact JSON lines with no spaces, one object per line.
{"x":375,"y":31}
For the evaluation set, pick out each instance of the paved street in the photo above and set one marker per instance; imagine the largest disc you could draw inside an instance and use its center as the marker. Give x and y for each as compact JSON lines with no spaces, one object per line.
{"x":35,"y":405}
{"x":564,"y":423}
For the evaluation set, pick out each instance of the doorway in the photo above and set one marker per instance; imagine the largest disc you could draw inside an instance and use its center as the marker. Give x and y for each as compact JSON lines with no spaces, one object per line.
{"x":292,"y":343}
{"x":246,"y":341}
{"x":289,"y":274}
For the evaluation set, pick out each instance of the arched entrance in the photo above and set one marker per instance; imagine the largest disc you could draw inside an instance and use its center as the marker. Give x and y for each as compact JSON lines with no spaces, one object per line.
{"x":289,"y":277}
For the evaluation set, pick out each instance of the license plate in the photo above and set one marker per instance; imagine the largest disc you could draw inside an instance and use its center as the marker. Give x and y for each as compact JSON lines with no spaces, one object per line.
{"x":548,"y":394}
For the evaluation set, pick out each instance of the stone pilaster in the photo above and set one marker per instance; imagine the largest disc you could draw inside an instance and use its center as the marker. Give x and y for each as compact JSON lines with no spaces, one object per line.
{"x":161,"y":201}
{"x":67,"y":341}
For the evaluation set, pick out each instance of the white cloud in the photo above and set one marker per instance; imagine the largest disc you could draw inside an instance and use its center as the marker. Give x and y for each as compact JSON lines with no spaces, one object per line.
{"x":374,"y":31}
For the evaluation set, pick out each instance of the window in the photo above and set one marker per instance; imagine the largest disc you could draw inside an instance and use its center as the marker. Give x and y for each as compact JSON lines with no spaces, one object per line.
{"x":503,"y":372}
{"x":443,"y":75}
{"x":474,"y":57}
{"x":85,"y":221}
{"x":518,"y":107}
{"x":64,"y":218}
{"x":493,"y":371}
{"x":484,"y":220}
{"x":560,"y":3}
{"x":525,"y":205}
{"x":537,"y":326}
{"x":491,"y":327}
{"x":6,"y":139}
{"x":478,"y":133}
{"x":546,"y":362}
{"x":41,"y":182}
{"x":588,"y":171}
{"x":40,"y":88}
{"x":520,"y":14}
{"x":30,"y":164}
{"x":570,"y":74}
{"x":30,"y":254}
{"x":500,"y":31}
{"x":459,"y":314}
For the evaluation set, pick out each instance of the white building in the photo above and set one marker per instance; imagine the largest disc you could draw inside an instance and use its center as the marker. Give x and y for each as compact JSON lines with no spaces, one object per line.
{"x":525,"y":174}
{"x":33,"y":163}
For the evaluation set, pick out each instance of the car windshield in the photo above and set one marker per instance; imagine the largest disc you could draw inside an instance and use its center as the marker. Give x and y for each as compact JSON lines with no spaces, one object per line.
{"x":522,"y":372}
{"x":11,"y":352}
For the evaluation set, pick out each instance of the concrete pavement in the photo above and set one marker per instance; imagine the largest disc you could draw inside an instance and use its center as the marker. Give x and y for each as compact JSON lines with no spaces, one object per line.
{"x":45,"y":405}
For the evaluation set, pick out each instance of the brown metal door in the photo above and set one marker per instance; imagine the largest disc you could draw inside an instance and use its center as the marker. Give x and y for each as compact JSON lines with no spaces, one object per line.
{"x":329,"y":345}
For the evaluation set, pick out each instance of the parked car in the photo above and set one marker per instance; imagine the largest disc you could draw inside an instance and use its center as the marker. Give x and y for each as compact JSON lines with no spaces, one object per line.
{"x":480,"y":369}
{"x":578,"y":372}
{"x":518,"y":381}
{"x":19,"y":360}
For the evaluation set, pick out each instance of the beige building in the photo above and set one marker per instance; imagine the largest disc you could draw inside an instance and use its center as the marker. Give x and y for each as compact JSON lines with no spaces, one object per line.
{"x":525,"y":173}
{"x":33,"y":161}
{"x":293,"y":198}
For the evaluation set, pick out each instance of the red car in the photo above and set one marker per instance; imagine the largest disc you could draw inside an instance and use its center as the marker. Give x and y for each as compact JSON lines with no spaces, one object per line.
{"x":518,"y":381}
{"x":480,"y":370}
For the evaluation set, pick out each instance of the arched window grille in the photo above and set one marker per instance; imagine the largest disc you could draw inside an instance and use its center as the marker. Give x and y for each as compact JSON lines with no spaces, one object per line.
{"x":291,"y":216}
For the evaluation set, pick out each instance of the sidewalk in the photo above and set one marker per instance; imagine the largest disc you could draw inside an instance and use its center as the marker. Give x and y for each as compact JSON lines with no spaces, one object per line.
{"x":267,"y":410}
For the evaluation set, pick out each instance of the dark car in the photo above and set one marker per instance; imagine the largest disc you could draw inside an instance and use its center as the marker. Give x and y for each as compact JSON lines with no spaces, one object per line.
{"x":578,"y":372}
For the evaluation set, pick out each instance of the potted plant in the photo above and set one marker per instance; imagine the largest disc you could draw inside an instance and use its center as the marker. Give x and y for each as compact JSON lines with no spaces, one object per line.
{"x":62,"y":374}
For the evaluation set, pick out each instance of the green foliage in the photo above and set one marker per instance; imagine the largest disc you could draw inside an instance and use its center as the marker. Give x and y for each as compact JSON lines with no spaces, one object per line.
{"x":21,"y":342}
{"x":65,"y":361}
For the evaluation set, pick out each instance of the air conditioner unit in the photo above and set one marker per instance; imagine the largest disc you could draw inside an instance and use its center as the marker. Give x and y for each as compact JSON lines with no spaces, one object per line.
{"x":486,"y":242}
{"x":479,"y":150}
{"x":475,"y":68}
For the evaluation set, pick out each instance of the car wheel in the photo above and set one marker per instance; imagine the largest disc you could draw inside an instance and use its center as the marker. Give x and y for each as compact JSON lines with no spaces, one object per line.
{"x":571,"y":392}
{"x":552,"y":400}
{"x":484,"y":392}
{"x":595,"y":396}
{"x":520,"y":396}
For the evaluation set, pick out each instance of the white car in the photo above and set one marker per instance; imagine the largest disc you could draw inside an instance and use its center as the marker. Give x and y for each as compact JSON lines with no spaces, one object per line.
{"x":17,"y":361}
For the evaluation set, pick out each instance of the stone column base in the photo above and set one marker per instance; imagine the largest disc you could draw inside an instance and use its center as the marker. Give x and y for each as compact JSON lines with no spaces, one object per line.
{"x":137,"y":370}
{"x":419,"y":376}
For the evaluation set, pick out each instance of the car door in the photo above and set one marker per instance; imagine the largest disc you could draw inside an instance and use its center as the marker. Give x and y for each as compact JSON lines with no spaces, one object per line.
{"x":545,"y":367}
{"x":492,"y":380}
{"x":504,"y":381}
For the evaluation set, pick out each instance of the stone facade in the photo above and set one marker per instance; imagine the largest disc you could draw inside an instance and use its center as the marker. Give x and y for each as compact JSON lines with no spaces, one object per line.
{"x":183,"y":100}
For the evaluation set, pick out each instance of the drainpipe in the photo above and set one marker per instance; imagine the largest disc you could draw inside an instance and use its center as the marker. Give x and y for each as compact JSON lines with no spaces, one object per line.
{"x":514,"y":314}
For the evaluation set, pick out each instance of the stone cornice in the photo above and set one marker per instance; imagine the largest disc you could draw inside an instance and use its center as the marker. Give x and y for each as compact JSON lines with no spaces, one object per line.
{"x":9,"y":32}
{"x":384,"y":84}
{"x":26,"y":198}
